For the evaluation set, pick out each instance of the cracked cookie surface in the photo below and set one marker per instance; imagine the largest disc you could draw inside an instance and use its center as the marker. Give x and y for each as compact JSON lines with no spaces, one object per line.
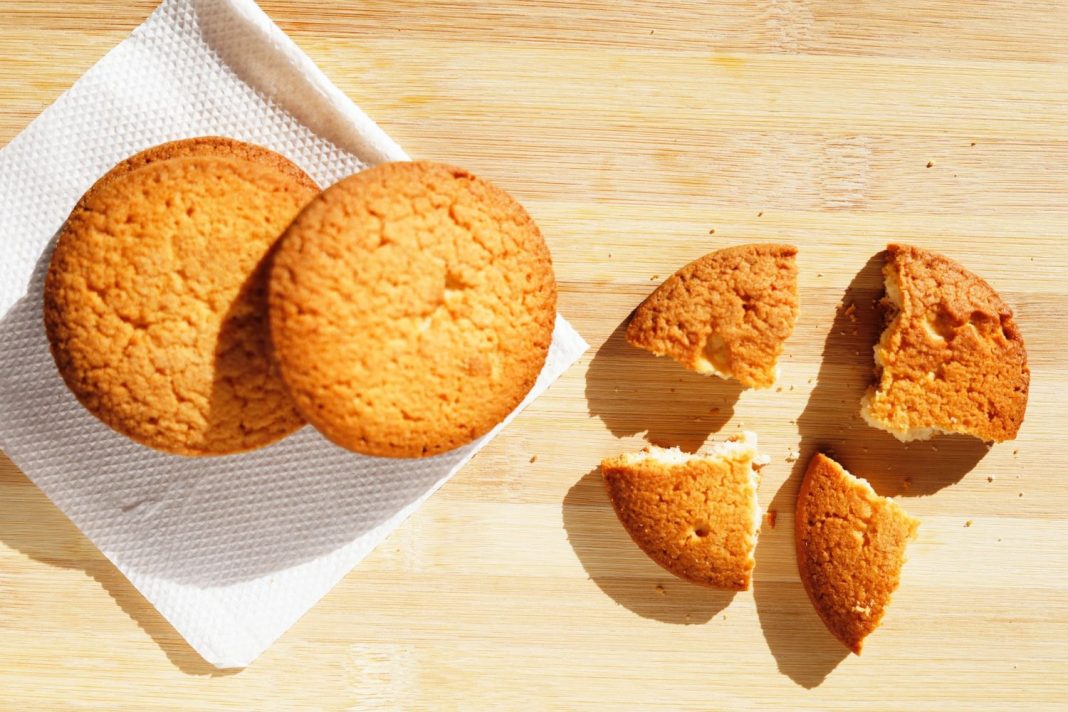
{"x":412,"y":307}
{"x":727,"y":313}
{"x":951,"y":358}
{"x":155,"y":300}
{"x":850,"y":549}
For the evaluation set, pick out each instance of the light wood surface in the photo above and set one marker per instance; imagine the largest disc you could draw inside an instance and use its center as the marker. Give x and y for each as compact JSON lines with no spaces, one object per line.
{"x":631,"y":131}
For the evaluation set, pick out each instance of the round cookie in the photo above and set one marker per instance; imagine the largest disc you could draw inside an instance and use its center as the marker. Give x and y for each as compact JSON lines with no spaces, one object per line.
{"x":412,"y":307}
{"x":155,"y":302}
{"x":217,"y":146}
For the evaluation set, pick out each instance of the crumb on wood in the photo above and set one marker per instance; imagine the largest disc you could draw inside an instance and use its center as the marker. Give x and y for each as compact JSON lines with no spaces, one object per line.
{"x":713,"y":411}
{"x":990,"y":478}
{"x":772,"y":517}
{"x":1015,"y":452}
{"x":533,"y":459}
{"x":779,"y":389}
{"x":712,"y":231}
{"x":930,"y":164}
{"x":760,"y":214}
{"x":851,"y":312}
{"x":973,"y":143}
{"x":906,"y":484}
{"x":968,"y":523}
{"x":654,"y":277}
{"x":792,"y":455}
{"x":1021,"y":494}
{"x":661,"y":590}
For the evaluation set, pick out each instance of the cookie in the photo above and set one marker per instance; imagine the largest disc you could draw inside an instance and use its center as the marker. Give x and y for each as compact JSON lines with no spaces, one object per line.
{"x":695,"y":515}
{"x":727,"y":314}
{"x":850,"y":549}
{"x":412,"y":307}
{"x":217,"y":146}
{"x":155,"y":302}
{"x":951,"y":359}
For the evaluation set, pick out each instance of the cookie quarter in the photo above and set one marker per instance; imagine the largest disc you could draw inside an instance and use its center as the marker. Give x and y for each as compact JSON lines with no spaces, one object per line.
{"x":727,"y":314}
{"x":695,"y":515}
{"x":850,"y":549}
{"x":155,"y":304}
{"x":412,"y":307}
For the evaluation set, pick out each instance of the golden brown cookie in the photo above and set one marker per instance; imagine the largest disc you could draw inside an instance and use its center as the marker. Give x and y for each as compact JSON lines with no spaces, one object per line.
{"x":217,"y":146}
{"x":412,"y":308}
{"x":155,"y":303}
{"x":727,"y":313}
{"x":695,"y":515}
{"x":951,"y":359}
{"x":850,"y":549}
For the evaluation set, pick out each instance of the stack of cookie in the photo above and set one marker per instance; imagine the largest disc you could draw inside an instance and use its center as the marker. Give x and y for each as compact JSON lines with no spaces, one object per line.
{"x":205,"y":298}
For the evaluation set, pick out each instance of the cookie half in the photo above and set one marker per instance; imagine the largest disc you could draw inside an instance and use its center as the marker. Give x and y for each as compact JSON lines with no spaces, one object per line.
{"x":695,"y":515}
{"x":727,"y":314}
{"x":951,"y":359}
{"x":412,"y":308}
{"x":155,"y":302}
{"x":850,"y":549}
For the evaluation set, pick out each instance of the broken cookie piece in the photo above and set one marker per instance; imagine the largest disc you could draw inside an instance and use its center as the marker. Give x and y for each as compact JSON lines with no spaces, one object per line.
{"x":726,"y":314}
{"x":695,"y":515}
{"x":951,"y":359}
{"x":850,"y":549}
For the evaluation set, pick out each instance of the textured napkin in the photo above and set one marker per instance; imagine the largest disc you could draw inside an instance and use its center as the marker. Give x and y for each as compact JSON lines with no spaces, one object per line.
{"x":231,"y":550}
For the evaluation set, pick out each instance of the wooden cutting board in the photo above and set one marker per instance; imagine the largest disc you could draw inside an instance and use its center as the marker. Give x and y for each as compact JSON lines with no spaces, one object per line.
{"x":642,"y":135}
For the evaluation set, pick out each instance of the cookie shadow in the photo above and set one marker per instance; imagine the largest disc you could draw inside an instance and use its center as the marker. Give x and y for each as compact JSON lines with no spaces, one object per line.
{"x":32,"y":525}
{"x":622,"y":571}
{"x":632,"y":391}
{"x":803,"y":648}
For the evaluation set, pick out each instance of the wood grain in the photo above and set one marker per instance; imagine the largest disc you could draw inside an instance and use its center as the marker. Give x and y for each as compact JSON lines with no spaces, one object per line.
{"x":632,"y":131}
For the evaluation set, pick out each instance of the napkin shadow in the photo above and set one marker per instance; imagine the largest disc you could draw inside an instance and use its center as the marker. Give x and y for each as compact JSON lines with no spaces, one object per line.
{"x":633,"y":391}
{"x":621,"y":570}
{"x":37,"y":529}
{"x":207,"y":522}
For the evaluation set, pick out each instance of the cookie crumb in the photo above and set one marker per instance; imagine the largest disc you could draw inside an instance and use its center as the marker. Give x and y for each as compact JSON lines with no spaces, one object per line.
{"x":930,"y":164}
{"x":712,"y":231}
{"x":990,"y":478}
{"x":760,"y":214}
{"x":973,"y":143}
{"x":713,"y":411}
{"x":792,"y":455}
{"x":1015,"y":452}
{"x":968,"y":523}
{"x":906,"y":484}
{"x":654,"y":277}
{"x":661,"y":590}
{"x":533,"y":459}
{"x":1021,"y":494}
{"x":772,"y":517}
{"x":851,"y":312}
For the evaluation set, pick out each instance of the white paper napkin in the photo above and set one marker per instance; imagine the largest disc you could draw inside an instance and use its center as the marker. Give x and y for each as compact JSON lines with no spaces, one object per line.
{"x":231,"y":550}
